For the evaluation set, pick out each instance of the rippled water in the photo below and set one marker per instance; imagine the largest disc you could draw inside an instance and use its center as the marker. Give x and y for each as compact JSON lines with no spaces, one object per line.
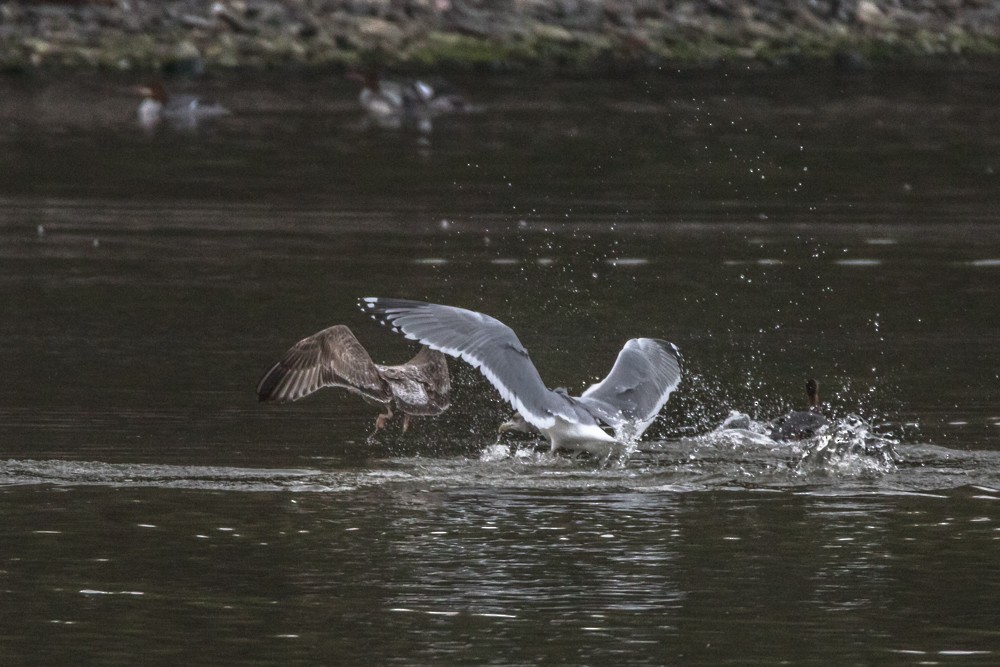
{"x":776,"y":226}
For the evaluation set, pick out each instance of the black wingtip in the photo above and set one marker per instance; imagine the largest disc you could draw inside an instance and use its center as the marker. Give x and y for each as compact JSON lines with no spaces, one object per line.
{"x":670,"y":348}
{"x":265,"y":388}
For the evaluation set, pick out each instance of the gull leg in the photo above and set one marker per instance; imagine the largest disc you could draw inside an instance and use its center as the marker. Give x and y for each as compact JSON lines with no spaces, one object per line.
{"x":382,"y":419}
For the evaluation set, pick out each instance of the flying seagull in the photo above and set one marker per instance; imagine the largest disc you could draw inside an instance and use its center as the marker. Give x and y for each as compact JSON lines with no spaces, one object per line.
{"x":801,"y":424}
{"x":335,"y":358}
{"x":627,"y":400}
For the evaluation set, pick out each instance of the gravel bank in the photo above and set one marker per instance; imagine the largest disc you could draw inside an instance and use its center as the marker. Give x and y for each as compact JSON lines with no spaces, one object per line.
{"x":583,"y":35}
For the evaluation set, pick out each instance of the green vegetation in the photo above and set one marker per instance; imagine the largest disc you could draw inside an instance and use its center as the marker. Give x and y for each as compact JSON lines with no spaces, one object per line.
{"x":380,"y":43}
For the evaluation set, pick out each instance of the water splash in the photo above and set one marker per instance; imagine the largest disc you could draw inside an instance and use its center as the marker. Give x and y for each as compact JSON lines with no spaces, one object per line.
{"x":847,"y":447}
{"x":848,"y":458}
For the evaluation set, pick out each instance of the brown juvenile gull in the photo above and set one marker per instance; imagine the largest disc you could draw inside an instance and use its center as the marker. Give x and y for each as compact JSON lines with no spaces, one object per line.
{"x":335,"y":358}
{"x":627,"y":400}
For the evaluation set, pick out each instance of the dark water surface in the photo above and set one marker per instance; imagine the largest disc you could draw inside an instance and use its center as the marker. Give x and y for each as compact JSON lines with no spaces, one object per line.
{"x":776,"y":226}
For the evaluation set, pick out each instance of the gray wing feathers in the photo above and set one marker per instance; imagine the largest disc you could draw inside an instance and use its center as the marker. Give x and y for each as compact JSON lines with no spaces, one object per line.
{"x":644,"y":375}
{"x":331,"y":358}
{"x":628,"y":399}
{"x":484,"y":343}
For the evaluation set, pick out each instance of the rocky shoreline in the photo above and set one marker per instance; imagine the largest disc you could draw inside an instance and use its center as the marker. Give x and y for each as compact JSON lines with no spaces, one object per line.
{"x":572,"y":35}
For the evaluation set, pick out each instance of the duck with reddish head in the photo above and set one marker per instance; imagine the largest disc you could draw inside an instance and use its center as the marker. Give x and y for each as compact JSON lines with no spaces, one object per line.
{"x":178,"y":111}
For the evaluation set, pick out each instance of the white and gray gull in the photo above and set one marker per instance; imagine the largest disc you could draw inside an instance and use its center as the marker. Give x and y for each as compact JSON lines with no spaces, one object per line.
{"x":627,"y":400}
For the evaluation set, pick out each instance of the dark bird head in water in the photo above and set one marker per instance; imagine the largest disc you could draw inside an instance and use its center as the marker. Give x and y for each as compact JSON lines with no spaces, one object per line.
{"x":812,"y":391}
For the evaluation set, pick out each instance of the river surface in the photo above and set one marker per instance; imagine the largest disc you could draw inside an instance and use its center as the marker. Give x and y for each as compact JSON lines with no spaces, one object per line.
{"x":776,"y":226}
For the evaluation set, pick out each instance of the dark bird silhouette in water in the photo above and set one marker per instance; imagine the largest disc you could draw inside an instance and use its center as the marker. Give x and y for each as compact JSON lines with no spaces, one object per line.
{"x":335,"y":358}
{"x":801,"y":424}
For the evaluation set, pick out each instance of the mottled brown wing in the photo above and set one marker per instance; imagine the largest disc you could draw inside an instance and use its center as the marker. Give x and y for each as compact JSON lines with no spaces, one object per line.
{"x":331,"y":358}
{"x":421,"y":385}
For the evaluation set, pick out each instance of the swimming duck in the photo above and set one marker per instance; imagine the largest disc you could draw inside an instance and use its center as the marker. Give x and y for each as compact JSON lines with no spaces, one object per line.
{"x":801,"y":424}
{"x":182,"y":111}
{"x":408,"y":103}
{"x":440,"y":97}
